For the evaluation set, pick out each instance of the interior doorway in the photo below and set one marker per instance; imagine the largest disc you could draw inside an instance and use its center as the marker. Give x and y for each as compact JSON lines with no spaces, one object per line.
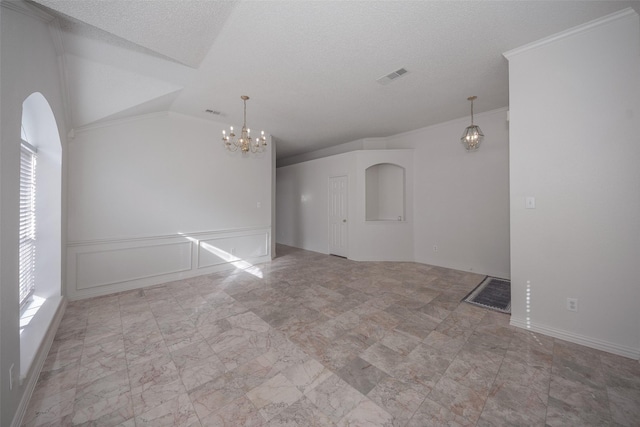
{"x":338,"y":215}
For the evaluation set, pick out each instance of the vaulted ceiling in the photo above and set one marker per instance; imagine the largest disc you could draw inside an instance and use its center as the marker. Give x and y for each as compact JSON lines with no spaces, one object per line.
{"x":310,"y":67}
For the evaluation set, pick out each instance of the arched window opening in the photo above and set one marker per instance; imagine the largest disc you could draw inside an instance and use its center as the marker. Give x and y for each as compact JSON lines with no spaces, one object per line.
{"x":385,"y":188}
{"x":42,"y":256}
{"x":40,"y":133}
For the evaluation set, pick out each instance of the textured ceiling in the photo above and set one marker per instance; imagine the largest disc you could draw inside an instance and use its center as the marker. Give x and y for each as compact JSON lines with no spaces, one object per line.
{"x":180,"y":30}
{"x":310,"y":67}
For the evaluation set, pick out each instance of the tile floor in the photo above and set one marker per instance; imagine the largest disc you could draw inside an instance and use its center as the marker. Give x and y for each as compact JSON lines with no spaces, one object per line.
{"x":314,"y":340}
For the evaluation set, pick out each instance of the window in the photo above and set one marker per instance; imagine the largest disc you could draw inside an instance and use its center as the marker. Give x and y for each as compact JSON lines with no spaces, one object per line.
{"x":27,"y":251}
{"x":40,"y":227}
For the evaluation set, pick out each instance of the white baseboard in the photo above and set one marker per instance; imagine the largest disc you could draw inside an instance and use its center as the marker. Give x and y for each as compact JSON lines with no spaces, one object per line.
{"x":38,"y":363}
{"x":630,"y":352}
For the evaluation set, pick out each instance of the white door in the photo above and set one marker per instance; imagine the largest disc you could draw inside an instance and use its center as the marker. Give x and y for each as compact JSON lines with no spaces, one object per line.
{"x":338,"y":226}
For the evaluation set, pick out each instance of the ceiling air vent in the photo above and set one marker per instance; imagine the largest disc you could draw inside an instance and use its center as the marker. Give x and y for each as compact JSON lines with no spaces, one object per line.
{"x":392,"y":76}
{"x":215,"y":113}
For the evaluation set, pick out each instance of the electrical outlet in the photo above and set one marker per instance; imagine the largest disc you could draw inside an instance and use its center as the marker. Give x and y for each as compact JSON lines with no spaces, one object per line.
{"x":572,"y":304}
{"x":435,"y":248}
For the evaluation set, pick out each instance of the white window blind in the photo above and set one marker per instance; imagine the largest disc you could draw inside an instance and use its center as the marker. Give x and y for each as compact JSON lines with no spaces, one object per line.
{"x":27,"y":251}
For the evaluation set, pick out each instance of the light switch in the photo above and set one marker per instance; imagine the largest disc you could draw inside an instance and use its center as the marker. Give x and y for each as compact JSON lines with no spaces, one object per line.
{"x":530,"y":202}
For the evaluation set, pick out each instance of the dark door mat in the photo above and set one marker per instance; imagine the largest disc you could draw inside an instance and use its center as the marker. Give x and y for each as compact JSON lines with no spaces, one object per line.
{"x":492,"y":293}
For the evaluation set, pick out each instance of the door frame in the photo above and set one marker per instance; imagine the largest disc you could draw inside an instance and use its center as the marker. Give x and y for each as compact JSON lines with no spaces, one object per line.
{"x":346,"y":219}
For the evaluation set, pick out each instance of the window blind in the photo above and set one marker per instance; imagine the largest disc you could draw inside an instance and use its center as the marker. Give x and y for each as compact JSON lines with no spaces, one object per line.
{"x":27,"y":251}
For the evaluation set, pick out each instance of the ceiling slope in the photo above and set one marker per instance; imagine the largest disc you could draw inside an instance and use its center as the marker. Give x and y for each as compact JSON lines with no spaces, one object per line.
{"x":102,"y":90}
{"x":310,"y":67}
{"x":179,"y":30}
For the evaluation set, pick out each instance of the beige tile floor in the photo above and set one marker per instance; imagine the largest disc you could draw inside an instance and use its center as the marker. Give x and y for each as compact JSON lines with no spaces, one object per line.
{"x":315,"y":340}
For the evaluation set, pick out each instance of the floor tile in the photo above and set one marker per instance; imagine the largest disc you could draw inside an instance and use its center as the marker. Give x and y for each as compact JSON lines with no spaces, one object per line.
{"x":273,"y":396}
{"x":399,"y":399}
{"x":320,"y":341}
{"x":177,"y":412}
{"x":335,"y":398}
{"x":239,"y":412}
{"x":367,"y":414}
{"x":361,"y":375}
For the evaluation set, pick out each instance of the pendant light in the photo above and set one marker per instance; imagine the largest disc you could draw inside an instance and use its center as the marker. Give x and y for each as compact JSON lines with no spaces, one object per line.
{"x":472,"y":136}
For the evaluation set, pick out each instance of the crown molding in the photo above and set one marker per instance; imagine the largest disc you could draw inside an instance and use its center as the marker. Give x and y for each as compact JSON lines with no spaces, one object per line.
{"x":453,"y":122}
{"x":28,"y":9}
{"x":109,"y":123}
{"x":624,"y":13}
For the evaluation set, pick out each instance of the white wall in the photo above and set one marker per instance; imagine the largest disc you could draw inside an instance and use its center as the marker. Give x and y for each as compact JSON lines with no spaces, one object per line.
{"x":372,"y":179}
{"x":29,"y":64}
{"x":160,"y":189}
{"x":575,"y":147}
{"x":302,"y":206}
{"x":302,"y":201}
{"x":133,"y":188}
{"x":461,"y":199}
{"x":382,"y":240}
{"x":456,"y":200}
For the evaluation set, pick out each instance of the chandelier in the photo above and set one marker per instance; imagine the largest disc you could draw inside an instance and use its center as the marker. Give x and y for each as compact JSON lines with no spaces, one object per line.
{"x":245,"y":143}
{"x":472,"y":136}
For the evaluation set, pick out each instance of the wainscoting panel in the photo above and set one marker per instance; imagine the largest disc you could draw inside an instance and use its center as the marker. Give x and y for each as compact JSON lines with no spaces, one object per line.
{"x":231,"y":249}
{"x":108,"y":267}
{"x":104,"y":267}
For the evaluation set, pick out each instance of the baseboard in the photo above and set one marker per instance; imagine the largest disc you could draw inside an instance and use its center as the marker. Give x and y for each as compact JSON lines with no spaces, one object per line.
{"x":38,"y":363}
{"x":630,"y":352}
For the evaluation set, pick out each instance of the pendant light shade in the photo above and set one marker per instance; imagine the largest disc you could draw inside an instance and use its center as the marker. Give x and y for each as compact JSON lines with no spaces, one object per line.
{"x":472,"y":136}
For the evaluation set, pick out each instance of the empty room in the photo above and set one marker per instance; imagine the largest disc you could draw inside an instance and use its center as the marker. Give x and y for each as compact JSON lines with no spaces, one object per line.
{"x":319,"y":213}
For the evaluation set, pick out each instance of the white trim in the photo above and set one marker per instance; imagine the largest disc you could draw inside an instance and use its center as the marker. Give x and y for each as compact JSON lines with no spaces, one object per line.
{"x":158,"y":280}
{"x":145,"y":269}
{"x":159,"y":272}
{"x":164,"y":236}
{"x":38,"y":363}
{"x":63,"y":76}
{"x":28,"y":10}
{"x":124,"y":120}
{"x":199,"y":250}
{"x":387,"y":140}
{"x":56,"y":36}
{"x":621,"y":350}
{"x":464,"y":119}
{"x":570,"y":32}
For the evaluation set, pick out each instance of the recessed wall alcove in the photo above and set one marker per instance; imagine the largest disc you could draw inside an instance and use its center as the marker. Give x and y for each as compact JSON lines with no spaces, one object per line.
{"x":385,"y":191}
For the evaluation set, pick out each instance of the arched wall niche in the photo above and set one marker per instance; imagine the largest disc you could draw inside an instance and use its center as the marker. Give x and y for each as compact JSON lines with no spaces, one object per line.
{"x":385,"y":192}
{"x":41,"y":131}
